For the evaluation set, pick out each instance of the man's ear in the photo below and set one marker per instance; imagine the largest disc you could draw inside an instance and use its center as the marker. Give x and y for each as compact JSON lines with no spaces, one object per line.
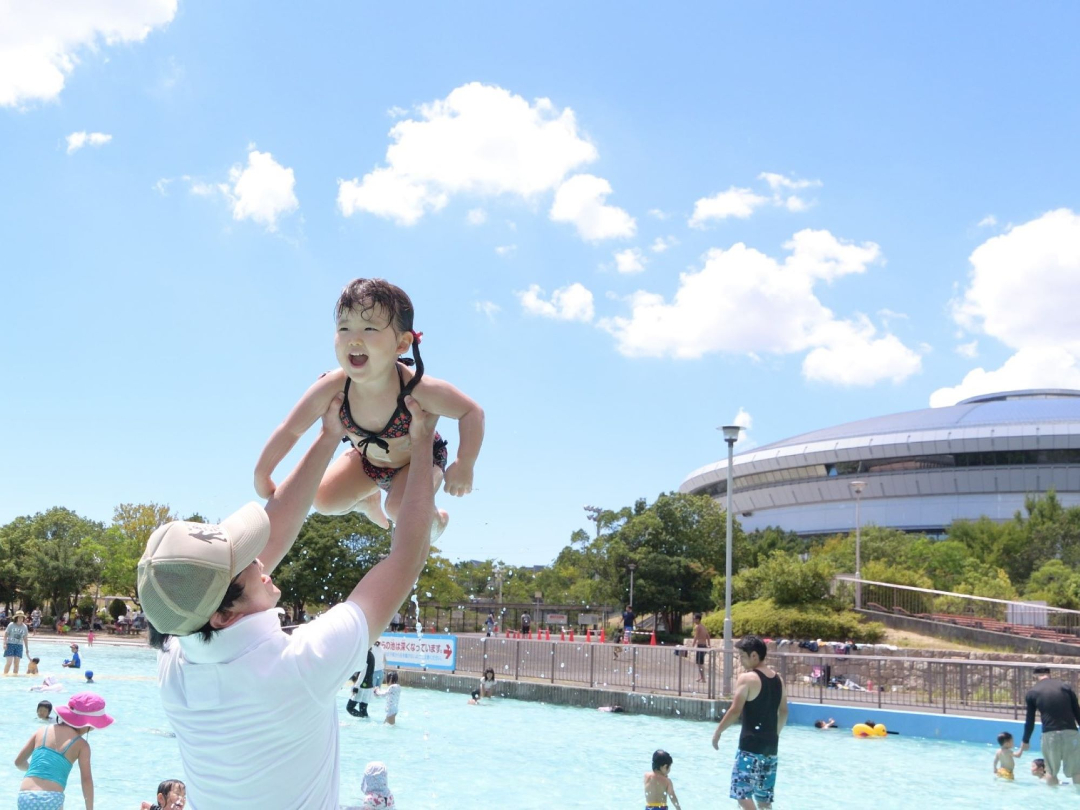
{"x":224,"y":618}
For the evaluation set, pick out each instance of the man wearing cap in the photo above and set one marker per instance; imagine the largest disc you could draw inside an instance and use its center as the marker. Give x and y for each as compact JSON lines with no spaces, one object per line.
{"x":255,"y":709}
{"x":15,"y":640}
{"x":1059,"y":711}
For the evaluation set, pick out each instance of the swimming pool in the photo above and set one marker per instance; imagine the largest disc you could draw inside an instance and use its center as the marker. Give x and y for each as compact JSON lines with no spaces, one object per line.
{"x":444,"y":754}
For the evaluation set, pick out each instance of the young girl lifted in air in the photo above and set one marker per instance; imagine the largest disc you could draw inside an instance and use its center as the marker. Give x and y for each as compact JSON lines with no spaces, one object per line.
{"x":374,"y":327}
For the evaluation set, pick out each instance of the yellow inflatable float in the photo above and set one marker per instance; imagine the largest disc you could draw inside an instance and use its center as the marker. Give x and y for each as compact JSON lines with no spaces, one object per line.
{"x":863,"y":730}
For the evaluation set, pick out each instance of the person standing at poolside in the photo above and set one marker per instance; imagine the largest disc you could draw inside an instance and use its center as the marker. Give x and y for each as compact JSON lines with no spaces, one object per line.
{"x":15,"y":641}
{"x":379,"y":654}
{"x":761,"y":701}
{"x":628,"y":617}
{"x":1059,"y":711}
{"x":254,"y":708}
{"x":701,"y":639}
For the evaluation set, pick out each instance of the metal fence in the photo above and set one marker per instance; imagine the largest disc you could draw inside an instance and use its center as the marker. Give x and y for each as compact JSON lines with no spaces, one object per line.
{"x":893,"y":682}
{"x":1019,"y":618}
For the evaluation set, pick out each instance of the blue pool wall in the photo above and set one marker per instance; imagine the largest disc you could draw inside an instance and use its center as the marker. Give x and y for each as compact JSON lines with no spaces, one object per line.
{"x":957,"y":727}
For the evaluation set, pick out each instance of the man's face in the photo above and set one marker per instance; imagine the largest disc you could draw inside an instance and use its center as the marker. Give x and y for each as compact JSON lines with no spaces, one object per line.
{"x":260,"y":592}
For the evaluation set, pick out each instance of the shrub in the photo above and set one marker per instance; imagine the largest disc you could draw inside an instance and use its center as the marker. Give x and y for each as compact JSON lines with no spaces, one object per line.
{"x":117,"y":608}
{"x":762,"y":617}
{"x":85,"y":608}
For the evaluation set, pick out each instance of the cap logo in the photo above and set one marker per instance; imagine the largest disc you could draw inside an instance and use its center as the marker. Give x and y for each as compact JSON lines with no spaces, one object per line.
{"x":207,"y":534}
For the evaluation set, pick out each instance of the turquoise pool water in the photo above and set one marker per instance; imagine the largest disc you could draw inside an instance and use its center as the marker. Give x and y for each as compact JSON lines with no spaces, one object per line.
{"x":445,"y":754}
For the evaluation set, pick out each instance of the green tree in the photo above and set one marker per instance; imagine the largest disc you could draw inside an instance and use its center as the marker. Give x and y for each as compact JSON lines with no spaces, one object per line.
{"x":783,"y":578}
{"x":14,"y":542}
{"x":330,"y":555}
{"x":119,"y":548}
{"x":57,"y":558}
{"x":1055,"y":583}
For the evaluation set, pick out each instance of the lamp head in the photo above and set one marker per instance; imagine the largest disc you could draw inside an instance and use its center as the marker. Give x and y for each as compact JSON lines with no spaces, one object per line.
{"x":731,"y":433}
{"x":857,"y":487}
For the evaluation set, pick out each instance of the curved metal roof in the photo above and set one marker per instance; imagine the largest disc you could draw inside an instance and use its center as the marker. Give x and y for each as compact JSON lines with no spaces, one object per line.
{"x":958,"y":427}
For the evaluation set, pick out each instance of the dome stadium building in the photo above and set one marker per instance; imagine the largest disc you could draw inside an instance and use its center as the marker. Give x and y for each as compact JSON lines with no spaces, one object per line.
{"x":921,"y":469}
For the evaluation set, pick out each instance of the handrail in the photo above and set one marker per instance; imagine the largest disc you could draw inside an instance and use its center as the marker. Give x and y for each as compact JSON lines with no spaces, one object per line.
{"x":1025,"y":605}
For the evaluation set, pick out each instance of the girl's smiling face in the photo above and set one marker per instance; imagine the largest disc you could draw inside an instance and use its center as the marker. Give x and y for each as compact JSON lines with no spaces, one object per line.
{"x":366,"y":343}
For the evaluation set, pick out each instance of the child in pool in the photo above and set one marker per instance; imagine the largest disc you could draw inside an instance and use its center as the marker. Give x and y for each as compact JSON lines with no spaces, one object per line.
{"x":474,"y":699}
{"x":44,"y":711}
{"x":32,"y":667}
{"x":171,"y":795}
{"x":393,"y":695}
{"x":1005,"y":758}
{"x":374,"y":326}
{"x":376,"y":787}
{"x":658,"y":786}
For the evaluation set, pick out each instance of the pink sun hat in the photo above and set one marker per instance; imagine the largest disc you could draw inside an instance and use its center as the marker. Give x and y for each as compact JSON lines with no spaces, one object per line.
{"x":84,"y":709}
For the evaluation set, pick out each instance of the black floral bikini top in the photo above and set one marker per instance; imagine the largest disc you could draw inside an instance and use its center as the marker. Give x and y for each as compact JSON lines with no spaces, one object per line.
{"x":398,"y":425}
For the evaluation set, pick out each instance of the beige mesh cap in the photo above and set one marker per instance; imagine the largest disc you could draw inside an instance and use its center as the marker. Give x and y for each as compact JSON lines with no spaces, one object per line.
{"x":187,"y":567}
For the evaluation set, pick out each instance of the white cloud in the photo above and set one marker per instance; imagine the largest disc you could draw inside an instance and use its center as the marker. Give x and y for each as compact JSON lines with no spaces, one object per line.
{"x":42,"y":42}
{"x":479,"y":140}
{"x":262,"y":191}
{"x":580,"y":200}
{"x":779,"y":183}
{"x":658,"y":214}
{"x":571,"y":303}
{"x":1022,"y":291}
{"x":853,"y":354}
{"x":397,"y":112}
{"x":77,"y":140}
{"x":1030,"y":367}
{"x":660,"y":244}
{"x":968,"y":350}
{"x":988,"y":221}
{"x":488,"y":308}
{"x":1024,"y":284}
{"x":743,"y":419}
{"x":505,"y":250}
{"x":735,"y":202}
{"x":631,"y":260}
{"x":744,"y":301}
{"x":476,"y":216}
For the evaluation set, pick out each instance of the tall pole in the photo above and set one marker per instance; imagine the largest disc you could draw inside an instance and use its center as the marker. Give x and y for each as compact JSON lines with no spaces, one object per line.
{"x":857,"y":487}
{"x":731,"y":435}
{"x":632,"y":566}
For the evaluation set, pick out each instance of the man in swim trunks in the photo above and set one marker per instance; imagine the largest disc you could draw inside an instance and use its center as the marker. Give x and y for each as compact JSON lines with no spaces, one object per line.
{"x":1056,"y":703}
{"x":761,"y":701}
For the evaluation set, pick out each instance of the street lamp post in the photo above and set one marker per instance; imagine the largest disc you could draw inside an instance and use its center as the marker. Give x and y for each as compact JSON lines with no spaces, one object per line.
{"x":857,"y":487}
{"x":731,"y":435}
{"x":632,"y":567}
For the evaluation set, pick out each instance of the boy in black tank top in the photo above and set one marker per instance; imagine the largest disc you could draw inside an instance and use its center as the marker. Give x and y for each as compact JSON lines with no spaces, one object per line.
{"x":761,"y":701}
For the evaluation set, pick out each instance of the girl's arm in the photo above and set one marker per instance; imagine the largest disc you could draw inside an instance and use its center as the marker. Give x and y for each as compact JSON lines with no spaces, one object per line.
{"x":304,"y":414}
{"x":438,"y":396}
{"x":22,"y":761}
{"x":87,"y":777}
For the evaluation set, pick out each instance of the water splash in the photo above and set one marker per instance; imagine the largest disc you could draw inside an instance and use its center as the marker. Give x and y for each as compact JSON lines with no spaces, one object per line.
{"x":416,"y":604}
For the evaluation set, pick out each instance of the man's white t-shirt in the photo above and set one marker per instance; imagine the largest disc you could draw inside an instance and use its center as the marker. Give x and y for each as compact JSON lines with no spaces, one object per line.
{"x":255,"y":710}
{"x":380,"y":658}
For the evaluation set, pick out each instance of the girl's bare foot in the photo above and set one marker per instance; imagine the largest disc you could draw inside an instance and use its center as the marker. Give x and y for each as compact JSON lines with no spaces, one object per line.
{"x":371,"y":506}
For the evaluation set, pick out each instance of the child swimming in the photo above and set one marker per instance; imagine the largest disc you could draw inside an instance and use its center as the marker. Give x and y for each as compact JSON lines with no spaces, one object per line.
{"x":658,"y":786}
{"x":1005,"y":758}
{"x":374,"y":327}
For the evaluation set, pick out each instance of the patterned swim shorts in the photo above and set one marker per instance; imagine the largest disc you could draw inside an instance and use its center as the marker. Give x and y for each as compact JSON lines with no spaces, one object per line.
{"x":41,"y":800}
{"x":753,"y":775}
{"x":12,"y":650}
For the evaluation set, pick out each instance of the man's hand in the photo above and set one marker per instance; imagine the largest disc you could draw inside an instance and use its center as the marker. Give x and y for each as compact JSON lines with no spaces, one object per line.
{"x":331,"y":423}
{"x":1024,"y":747}
{"x":459,"y":479}
{"x":422,"y":426}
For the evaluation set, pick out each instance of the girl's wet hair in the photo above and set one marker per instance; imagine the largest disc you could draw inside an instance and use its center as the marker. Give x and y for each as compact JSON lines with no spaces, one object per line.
{"x":489,"y":671}
{"x":168,"y":786}
{"x":391,"y":677}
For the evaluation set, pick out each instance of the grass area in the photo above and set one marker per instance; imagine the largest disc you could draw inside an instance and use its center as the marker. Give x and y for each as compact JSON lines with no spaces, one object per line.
{"x":906,"y":638}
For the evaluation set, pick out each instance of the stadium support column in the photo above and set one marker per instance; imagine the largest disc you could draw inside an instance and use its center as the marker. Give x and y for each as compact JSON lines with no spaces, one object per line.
{"x":857,"y":487}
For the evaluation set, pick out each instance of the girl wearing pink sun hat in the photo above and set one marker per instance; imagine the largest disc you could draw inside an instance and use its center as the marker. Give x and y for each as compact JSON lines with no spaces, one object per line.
{"x":49,"y":754}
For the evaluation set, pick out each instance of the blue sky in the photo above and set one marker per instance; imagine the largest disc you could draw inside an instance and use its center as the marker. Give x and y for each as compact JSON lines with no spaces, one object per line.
{"x":621,"y":226}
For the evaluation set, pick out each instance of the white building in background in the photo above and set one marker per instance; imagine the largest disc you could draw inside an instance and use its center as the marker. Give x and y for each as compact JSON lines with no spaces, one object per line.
{"x":923,"y":469}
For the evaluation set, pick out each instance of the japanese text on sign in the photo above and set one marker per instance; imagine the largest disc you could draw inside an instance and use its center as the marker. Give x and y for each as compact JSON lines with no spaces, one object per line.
{"x":429,"y":652}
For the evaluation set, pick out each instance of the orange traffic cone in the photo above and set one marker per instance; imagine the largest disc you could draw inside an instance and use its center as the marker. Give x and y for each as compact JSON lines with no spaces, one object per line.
{"x":652,"y":639}
{"x":562,"y":635}
{"x":603,"y":636}
{"x":571,"y":633}
{"x":547,"y":634}
{"x":588,"y":635}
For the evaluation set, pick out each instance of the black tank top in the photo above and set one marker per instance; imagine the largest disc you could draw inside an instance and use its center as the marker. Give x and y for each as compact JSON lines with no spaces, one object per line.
{"x":759,"y":718}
